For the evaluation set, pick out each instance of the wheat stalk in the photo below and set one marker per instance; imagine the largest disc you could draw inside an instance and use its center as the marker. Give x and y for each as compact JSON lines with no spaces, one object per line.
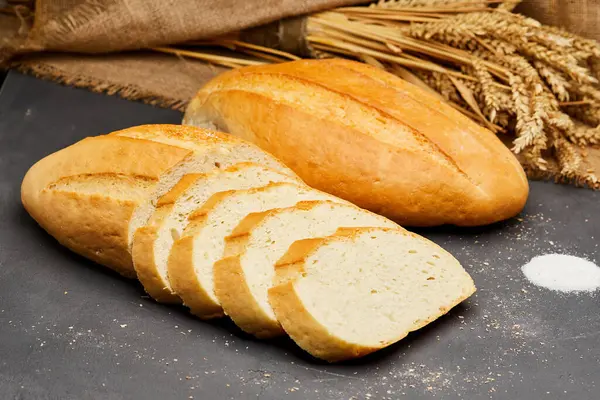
{"x":232,"y":62}
{"x":463,"y":51}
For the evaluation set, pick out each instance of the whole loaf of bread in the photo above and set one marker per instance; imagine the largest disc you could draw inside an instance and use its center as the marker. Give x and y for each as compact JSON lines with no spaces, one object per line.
{"x":369,"y":137}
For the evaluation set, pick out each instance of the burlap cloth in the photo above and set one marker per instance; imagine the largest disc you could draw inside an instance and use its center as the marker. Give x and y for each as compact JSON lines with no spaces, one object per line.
{"x":107,"y":26}
{"x":578,"y":16}
{"x":75,"y":42}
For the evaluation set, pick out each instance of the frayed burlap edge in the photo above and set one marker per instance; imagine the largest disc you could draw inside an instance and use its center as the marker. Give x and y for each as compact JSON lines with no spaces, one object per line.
{"x":128,"y":92}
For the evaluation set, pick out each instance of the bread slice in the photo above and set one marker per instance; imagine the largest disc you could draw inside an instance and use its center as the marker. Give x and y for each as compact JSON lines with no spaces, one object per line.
{"x":152,"y":243}
{"x":208,"y":150}
{"x":363,"y":289}
{"x":192,"y":257}
{"x":244,"y":275}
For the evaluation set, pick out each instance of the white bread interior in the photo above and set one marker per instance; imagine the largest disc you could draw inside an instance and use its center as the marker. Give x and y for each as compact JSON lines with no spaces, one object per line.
{"x":152,"y":243}
{"x":210,"y":150}
{"x":244,"y":275}
{"x":190,"y":266}
{"x":363,"y":289}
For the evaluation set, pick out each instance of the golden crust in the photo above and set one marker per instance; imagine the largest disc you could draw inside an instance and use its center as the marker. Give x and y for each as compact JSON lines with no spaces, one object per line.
{"x":184,"y":281}
{"x":189,"y":137}
{"x":197,"y":140}
{"x":237,"y":300}
{"x":318,"y":160}
{"x":101,"y":155}
{"x":481,"y":183}
{"x":146,"y":268}
{"x":95,"y":225}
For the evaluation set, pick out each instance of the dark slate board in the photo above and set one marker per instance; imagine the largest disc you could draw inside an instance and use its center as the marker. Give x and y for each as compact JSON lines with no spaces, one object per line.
{"x":70,"y":329}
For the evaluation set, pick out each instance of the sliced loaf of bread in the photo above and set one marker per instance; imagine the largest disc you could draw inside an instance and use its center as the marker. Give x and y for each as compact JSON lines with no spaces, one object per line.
{"x":190,"y":266}
{"x":363,"y":289}
{"x":243,"y":277}
{"x":152,"y":243}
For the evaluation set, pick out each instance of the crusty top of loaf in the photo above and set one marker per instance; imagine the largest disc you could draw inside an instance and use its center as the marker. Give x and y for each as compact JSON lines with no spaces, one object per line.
{"x":192,"y":135}
{"x":103,"y":156}
{"x":453,"y":134}
{"x":200,"y":140}
{"x":421,"y":122}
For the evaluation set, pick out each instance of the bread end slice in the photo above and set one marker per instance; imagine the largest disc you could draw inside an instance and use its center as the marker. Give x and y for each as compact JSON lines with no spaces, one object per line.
{"x":307,"y":332}
{"x":363,"y":289}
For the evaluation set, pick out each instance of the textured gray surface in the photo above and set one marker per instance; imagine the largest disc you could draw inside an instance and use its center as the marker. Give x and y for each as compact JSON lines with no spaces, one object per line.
{"x":70,"y":329}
